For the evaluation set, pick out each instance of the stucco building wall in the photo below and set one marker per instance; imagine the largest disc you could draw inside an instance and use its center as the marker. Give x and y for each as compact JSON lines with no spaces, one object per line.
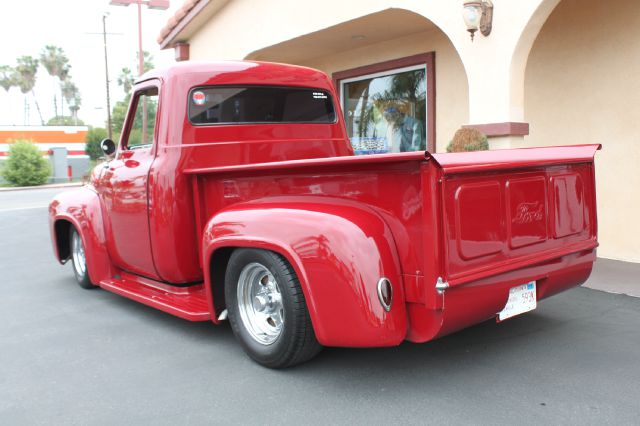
{"x":582,"y":86}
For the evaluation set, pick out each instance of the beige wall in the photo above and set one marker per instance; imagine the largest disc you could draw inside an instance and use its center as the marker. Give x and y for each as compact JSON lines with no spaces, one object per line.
{"x":582,"y":85}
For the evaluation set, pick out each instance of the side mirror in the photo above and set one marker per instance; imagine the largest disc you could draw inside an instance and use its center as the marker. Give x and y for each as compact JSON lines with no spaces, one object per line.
{"x":108,"y":147}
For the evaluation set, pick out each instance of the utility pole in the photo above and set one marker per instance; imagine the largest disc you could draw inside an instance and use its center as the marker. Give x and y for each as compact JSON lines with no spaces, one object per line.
{"x":106,"y":75}
{"x":151,"y":4}
{"x":104,"y":35}
{"x":143,"y":136}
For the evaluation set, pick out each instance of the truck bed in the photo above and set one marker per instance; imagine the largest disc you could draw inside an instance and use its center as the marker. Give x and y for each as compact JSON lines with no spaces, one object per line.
{"x":467,"y":226}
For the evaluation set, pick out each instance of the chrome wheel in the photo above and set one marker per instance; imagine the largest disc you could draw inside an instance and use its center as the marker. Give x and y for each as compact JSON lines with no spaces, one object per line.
{"x":267,"y":308}
{"x":77,"y":252}
{"x":260,"y":303}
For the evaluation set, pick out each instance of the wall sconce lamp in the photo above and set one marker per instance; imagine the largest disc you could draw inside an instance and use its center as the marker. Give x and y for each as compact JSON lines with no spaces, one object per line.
{"x":478,"y":15}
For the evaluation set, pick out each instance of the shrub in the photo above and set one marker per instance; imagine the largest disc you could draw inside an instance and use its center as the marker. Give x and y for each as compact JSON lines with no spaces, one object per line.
{"x":93,"y":139}
{"x":65,"y":121}
{"x":468,"y":139}
{"x":25,"y":165}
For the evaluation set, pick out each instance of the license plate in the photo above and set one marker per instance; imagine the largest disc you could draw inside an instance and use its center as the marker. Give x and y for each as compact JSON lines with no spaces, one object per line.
{"x":522,"y":299}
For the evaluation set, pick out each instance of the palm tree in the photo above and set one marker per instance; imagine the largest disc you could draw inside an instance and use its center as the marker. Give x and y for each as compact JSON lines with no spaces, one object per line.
{"x":26,"y":70}
{"x":7,"y":77}
{"x":125,"y":79}
{"x":69,"y":90}
{"x":71,"y":94}
{"x":147,"y":60}
{"x":74,"y":105}
{"x":56,"y":63}
{"x":63,"y":76}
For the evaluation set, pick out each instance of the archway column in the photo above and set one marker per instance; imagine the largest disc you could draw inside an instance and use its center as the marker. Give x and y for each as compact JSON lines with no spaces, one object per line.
{"x":495,"y":65}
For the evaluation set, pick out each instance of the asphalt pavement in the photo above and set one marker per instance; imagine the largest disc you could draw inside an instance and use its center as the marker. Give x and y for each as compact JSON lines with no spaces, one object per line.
{"x":74,"y":356}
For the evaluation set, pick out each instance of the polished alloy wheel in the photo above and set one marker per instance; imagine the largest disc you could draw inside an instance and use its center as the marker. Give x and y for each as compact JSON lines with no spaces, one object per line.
{"x":267,"y":309}
{"x":77,"y":251}
{"x":260,"y":303}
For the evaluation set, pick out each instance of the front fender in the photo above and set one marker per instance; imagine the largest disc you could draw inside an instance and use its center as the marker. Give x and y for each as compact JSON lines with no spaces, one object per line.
{"x":81,"y":207}
{"x":339,"y":250}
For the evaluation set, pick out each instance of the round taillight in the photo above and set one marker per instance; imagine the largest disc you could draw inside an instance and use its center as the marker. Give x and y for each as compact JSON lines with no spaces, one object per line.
{"x":385,"y":293}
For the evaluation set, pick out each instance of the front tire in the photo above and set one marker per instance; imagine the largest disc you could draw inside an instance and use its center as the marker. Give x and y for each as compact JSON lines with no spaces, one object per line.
{"x":267,"y":309}
{"x":79,"y":260}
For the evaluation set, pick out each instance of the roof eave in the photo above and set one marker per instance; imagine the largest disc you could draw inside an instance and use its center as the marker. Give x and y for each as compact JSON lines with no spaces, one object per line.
{"x":188,"y":24}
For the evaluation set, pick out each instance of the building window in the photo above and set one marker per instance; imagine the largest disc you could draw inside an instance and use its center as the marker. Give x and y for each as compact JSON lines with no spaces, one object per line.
{"x":389,"y":107}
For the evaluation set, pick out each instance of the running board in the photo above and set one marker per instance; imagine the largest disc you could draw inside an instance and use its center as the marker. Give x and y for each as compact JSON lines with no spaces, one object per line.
{"x":189,"y":303}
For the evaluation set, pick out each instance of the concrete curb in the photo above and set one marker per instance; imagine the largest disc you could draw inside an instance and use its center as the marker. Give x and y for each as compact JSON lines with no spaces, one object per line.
{"x":51,"y":186}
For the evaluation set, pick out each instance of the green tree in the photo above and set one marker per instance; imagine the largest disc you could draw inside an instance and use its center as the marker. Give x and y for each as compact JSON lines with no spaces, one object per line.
{"x":119,"y":115}
{"x":8,"y":77}
{"x":26,"y":70}
{"x":74,"y":106}
{"x":65,"y":121}
{"x":119,"y":111}
{"x":93,"y":139}
{"x":56,"y":63}
{"x":71,"y":93}
{"x":147,"y":62}
{"x":126,"y":79}
{"x":25,"y":165}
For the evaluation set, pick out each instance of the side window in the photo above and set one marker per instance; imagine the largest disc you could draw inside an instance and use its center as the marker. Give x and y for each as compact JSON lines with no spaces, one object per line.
{"x":143,"y":128}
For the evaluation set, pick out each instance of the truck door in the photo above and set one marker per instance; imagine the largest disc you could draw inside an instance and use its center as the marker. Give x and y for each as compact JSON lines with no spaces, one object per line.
{"x":124,"y":183}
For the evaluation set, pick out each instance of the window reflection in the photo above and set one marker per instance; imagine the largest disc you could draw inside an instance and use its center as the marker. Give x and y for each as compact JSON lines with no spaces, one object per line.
{"x":142,"y":130}
{"x":387,"y":113}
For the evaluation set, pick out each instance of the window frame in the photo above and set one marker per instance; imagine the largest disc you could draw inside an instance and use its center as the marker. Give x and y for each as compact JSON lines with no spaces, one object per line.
{"x":409,"y":63}
{"x":260,"y":123}
{"x":123,"y":143}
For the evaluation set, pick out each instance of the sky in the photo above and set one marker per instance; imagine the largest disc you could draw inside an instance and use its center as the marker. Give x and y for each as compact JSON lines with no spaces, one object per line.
{"x":26,"y":26}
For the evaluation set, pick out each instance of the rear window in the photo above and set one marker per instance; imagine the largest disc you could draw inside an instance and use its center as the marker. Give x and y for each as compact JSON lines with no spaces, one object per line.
{"x":252,"y":104}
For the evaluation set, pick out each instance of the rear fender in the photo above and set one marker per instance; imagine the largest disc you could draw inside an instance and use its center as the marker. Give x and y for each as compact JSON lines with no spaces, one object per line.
{"x":339,"y":250}
{"x":81,"y":208}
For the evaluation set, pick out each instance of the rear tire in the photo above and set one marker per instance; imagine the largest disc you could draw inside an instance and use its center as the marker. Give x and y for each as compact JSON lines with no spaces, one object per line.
{"x":267,"y":309}
{"x":79,"y":260}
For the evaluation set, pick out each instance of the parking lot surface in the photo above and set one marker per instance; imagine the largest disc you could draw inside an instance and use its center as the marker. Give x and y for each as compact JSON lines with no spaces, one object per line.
{"x":73,"y":356}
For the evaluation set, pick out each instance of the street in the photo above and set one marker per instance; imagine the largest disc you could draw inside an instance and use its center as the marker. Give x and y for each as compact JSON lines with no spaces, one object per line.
{"x":74,"y":356}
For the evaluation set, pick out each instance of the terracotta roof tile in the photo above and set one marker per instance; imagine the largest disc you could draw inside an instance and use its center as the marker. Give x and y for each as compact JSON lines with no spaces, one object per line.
{"x":177,"y":17}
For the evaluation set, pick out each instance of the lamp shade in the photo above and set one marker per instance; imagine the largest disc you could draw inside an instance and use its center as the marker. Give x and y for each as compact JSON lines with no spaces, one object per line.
{"x":472,"y":13}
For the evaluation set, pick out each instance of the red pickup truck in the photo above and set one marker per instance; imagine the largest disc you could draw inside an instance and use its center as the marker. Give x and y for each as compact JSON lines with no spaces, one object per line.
{"x":234,"y":193}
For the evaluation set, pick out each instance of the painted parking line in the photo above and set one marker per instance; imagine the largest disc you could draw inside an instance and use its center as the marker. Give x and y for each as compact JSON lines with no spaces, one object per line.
{"x":17,"y":209}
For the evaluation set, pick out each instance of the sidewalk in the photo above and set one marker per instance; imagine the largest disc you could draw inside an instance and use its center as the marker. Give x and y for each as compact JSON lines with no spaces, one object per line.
{"x":49,"y":186}
{"x":614,"y":276}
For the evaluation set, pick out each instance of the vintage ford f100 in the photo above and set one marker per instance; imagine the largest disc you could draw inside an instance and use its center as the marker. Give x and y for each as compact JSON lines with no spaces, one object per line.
{"x":234,"y":193}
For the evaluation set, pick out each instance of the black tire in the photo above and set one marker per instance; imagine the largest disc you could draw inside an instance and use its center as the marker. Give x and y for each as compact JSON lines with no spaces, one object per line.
{"x":296,"y":341}
{"x":80,"y":269}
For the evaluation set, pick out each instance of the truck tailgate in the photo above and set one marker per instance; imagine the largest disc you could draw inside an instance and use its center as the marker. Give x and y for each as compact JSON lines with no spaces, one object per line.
{"x":509,"y":209}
